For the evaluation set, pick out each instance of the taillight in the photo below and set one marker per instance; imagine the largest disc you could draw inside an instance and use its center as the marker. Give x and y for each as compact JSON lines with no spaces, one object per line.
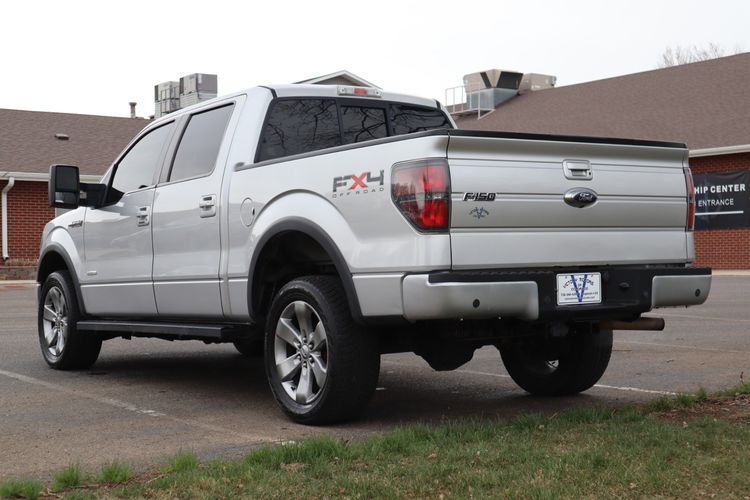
{"x":690,"y":223}
{"x":421,"y":191}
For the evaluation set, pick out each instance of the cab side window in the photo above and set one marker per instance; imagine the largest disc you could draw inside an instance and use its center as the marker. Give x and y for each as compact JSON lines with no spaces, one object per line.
{"x":137,"y":168}
{"x":199,"y":145}
{"x":299,"y":126}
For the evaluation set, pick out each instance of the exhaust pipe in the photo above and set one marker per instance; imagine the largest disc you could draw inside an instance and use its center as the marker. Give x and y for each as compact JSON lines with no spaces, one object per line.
{"x":642,"y":324}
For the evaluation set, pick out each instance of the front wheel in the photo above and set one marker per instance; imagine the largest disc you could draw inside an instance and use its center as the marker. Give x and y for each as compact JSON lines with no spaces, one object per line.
{"x":63,"y":346}
{"x":321,"y":366}
{"x":558,"y":366}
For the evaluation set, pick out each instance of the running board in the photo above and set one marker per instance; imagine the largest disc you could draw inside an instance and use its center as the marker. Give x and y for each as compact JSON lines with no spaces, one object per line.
{"x":168,"y":331}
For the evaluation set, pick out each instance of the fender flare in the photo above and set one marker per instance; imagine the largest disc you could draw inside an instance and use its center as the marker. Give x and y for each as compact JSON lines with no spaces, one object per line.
{"x":316,"y":233}
{"x":58,"y":249}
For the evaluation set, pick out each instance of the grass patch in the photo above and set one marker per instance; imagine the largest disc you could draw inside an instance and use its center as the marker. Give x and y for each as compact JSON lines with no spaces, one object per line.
{"x":20,"y":488}
{"x":69,"y":477}
{"x":625,"y":451}
{"x":183,"y":461}
{"x":115,"y":472}
{"x":602,"y":452}
{"x":742,"y":389}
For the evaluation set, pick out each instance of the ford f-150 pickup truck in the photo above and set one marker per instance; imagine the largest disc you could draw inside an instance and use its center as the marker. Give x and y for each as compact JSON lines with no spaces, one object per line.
{"x":322,"y":226}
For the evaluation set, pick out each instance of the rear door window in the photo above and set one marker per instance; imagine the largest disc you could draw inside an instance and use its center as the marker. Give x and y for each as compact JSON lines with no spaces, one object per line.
{"x":297,"y":126}
{"x":199,"y":145}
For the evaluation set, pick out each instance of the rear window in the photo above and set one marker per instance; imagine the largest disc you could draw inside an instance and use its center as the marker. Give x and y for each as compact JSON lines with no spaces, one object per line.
{"x":295,"y":126}
{"x":362,"y":124}
{"x":409,"y":119}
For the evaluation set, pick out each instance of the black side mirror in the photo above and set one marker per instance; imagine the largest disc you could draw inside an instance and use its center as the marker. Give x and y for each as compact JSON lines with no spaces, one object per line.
{"x":64,"y":186}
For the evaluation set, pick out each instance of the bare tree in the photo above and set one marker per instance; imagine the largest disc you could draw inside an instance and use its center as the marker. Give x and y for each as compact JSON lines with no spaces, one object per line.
{"x":685,"y":55}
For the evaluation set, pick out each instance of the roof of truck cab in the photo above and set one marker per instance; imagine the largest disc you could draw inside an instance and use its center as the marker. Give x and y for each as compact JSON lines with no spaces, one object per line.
{"x":314,"y":90}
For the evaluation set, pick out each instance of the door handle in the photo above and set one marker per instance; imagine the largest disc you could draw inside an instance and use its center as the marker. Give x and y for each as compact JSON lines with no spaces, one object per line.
{"x":207,"y":205}
{"x":143,"y":216}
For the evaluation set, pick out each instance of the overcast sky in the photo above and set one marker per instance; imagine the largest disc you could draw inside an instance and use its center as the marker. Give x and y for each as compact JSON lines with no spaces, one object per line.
{"x":94,"y":57}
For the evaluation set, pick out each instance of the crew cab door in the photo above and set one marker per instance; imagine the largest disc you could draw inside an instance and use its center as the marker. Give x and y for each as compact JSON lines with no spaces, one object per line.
{"x":187,"y":217}
{"x":118,"y":249}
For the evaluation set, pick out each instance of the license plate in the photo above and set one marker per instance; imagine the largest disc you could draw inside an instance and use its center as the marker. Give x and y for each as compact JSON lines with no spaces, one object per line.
{"x":579,"y":288}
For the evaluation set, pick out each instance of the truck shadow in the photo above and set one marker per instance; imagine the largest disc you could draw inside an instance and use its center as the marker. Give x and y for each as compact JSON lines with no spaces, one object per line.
{"x":215,"y":378}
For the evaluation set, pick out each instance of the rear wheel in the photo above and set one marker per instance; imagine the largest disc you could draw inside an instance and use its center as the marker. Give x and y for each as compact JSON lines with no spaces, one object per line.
{"x":321,"y":366}
{"x":558,"y":366}
{"x":63,"y":346}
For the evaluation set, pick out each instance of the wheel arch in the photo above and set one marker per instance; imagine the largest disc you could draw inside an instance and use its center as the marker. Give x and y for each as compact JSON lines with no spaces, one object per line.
{"x":296,"y":227}
{"x":55,"y":258}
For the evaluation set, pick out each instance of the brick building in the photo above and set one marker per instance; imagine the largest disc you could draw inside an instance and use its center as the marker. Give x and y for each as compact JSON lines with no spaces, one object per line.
{"x":29,"y":143}
{"x":705,"y":105}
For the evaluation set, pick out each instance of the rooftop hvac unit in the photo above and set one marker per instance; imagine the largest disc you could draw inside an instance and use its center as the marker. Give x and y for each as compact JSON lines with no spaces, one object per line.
{"x":166,"y":90}
{"x":485,"y":90}
{"x":535,"y":81}
{"x":201,"y":83}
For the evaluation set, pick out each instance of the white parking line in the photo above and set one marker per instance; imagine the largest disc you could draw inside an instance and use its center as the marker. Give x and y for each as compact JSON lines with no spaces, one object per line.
{"x":707,"y":318}
{"x":129,"y":406}
{"x":693,"y":348}
{"x":599,"y":386}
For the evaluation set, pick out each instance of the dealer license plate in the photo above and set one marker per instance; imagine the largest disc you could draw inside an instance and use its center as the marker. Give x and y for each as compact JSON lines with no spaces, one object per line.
{"x":579,"y":288}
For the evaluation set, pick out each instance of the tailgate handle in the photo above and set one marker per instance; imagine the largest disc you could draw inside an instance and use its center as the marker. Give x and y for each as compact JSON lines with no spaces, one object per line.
{"x":577,"y":169}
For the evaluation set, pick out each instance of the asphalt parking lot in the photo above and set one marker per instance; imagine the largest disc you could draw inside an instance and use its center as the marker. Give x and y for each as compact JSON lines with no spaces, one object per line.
{"x":145,"y":399}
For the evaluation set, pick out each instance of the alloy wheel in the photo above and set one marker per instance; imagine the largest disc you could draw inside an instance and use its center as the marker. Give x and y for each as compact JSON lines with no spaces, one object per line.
{"x":301,"y":352}
{"x":55,"y":321}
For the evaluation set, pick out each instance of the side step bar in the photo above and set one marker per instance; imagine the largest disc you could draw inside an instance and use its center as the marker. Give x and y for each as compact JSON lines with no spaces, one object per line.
{"x":167,"y":331}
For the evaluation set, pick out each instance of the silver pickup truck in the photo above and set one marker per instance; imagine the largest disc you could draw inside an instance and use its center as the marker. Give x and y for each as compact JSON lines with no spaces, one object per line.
{"x":322,"y":226}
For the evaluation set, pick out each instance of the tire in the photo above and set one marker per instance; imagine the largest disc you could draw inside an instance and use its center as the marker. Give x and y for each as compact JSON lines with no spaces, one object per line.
{"x":558,"y":366}
{"x":63,"y":346}
{"x":332,"y":375}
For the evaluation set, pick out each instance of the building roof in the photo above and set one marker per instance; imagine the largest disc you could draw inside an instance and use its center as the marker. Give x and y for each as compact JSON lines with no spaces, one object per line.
{"x":342,"y":77}
{"x":704,"y":104}
{"x":28,"y":143}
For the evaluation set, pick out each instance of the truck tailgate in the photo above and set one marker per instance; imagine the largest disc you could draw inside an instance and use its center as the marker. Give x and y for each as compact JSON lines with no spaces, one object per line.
{"x":508,"y":202}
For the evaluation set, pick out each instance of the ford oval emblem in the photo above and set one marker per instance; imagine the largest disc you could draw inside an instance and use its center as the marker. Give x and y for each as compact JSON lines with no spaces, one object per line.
{"x":580,"y":197}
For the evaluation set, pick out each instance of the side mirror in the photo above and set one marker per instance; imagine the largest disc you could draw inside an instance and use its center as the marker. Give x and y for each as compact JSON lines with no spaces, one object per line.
{"x":64,"y":186}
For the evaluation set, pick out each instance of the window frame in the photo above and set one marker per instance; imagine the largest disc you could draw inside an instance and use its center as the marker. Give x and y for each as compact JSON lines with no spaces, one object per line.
{"x":340,"y":101}
{"x":166,"y":170}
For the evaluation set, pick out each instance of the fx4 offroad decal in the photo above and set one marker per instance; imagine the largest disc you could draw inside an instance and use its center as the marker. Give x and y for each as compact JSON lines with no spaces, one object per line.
{"x":363,"y":183}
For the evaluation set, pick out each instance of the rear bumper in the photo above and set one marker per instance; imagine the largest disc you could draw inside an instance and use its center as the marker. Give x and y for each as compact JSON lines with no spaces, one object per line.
{"x":531,"y":295}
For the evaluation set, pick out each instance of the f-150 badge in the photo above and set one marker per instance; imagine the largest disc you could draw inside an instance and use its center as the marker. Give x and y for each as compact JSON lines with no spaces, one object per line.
{"x":470,"y":196}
